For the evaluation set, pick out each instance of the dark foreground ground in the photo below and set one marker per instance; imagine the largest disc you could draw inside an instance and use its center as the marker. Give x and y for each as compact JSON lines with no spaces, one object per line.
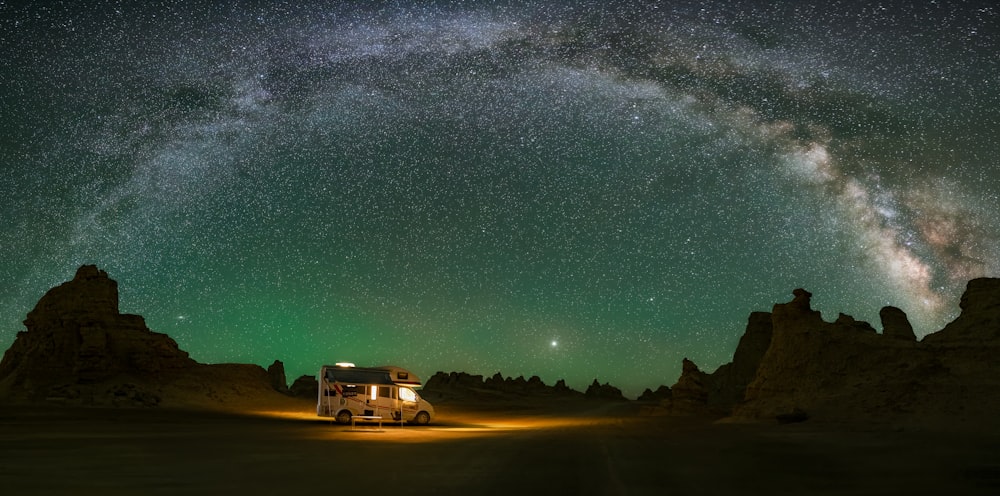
{"x":58,"y":450}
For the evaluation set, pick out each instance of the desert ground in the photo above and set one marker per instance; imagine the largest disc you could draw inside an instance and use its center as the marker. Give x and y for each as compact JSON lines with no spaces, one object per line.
{"x":573,"y":448}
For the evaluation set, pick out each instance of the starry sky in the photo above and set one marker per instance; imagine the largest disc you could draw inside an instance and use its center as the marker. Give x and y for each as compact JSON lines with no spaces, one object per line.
{"x":571,"y":190}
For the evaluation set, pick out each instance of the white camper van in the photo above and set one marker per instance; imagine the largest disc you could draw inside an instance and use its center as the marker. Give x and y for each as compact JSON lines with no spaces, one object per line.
{"x":346,"y":391}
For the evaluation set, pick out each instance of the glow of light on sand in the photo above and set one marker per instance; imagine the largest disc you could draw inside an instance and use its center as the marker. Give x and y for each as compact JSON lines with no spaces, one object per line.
{"x":451,"y":427}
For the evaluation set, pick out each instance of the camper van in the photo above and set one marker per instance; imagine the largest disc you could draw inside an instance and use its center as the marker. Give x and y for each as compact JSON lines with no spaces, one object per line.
{"x":346,"y":391}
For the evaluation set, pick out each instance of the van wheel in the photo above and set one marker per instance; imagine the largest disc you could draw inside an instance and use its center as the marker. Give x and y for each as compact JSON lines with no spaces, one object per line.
{"x":422,"y":418}
{"x":344,"y":417}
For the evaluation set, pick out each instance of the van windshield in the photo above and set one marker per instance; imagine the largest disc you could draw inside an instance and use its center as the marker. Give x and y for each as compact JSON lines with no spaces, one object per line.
{"x":407,"y":394}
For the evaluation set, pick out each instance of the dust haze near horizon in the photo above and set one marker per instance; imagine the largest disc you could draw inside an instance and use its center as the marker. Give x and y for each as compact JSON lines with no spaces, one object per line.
{"x":571,"y":190}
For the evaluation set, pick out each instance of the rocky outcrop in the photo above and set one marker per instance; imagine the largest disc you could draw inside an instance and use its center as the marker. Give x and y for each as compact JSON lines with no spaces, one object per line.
{"x":454,"y":380}
{"x":700,"y":393}
{"x":598,"y":391}
{"x":813,"y":365}
{"x":967,"y":351}
{"x":276,"y":373}
{"x":522,"y":386}
{"x":895,"y":324}
{"x":306,"y":386}
{"x":727,"y":385}
{"x":845,"y":321}
{"x":78,"y":348}
{"x":76,"y":335}
{"x":845,"y":371}
{"x":497,"y":382}
{"x":792,"y":366}
{"x":690,"y":394}
{"x":561,"y":388}
{"x":979,"y":322}
{"x":455,"y":385}
{"x":662,"y":393}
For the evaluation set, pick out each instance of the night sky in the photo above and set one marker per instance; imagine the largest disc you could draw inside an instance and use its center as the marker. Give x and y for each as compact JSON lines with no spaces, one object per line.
{"x":571,"y":190}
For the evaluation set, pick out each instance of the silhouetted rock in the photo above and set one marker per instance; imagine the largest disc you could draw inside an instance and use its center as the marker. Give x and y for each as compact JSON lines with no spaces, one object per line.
{"x":454,"y":380}
{"x":78,"y":348}
{"x":792,"y":366}
{"x":727,"y":385}
{"x":75,"y":335}
{"x":895,"y":324}
{"x":518,"y":385}
{"x":496,"y":382}
{"x":535,"y":384}
{"x":844,"y":371}
{"x":847,"y":322}
{"x":509,"y":385}
{"x":276,"y":373}
{"x":604,"y":391}
{"x":967,"y":351}
{"x":698,"y":393}
{"x":661,"y":393}
{"x":979,"y":322}
{"x":306,"y":386}
{"x":461,"y":385}
{"x":690,"y":394}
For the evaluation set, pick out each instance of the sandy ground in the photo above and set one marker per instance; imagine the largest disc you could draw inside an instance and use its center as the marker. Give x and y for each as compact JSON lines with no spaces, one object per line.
{"x":579,"y":449}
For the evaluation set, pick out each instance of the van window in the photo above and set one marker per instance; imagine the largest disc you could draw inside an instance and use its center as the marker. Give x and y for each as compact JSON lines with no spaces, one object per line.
{"x":386,"y":392}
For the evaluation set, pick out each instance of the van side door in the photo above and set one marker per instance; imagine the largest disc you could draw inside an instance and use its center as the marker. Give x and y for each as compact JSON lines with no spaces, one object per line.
{"x":386,"y":403}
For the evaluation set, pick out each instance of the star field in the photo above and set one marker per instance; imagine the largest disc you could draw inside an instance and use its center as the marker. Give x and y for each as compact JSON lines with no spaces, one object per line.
{"x":572,"y":190}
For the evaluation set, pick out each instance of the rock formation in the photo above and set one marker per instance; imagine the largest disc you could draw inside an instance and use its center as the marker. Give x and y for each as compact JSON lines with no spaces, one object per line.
{"x":819,"y":369}
{"x":967,"y":349}
{"x":792,"y":366}
{"x":606,"y":391}
{"x":78,"y":348}
{"x":443,"y":380}
{"x":76,"y":335}
{"x":727,"y":385}
{"x":845,"y":371}
{"x":456,"y":385}
{"x":561,"y":388}
{"x":690,"y":394}
{"x":306,"y":386}
{"x":661,"y":393}
{"x":700,"y":393}
{"x":979,"y":322}
{"x":895,"y":324}
{"x":276,"y":373}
